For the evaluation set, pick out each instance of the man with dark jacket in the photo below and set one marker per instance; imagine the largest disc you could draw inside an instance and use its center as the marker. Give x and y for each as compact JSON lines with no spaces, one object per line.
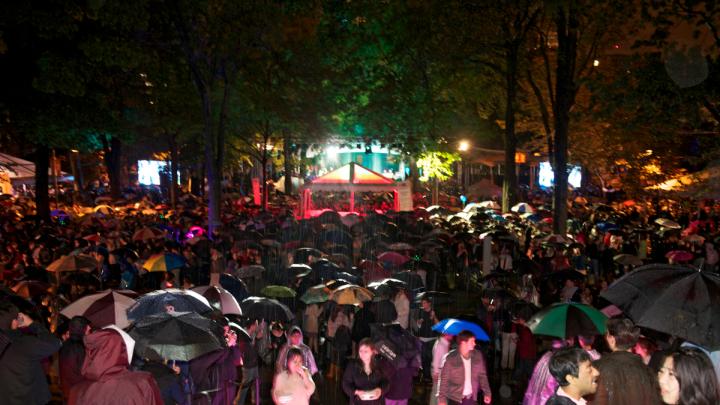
{"x":573,"y":370}
{"x":463,"y":374}
{"x":626,"y":380}
{"x":22,"y":380}
{"x":72,"y":354}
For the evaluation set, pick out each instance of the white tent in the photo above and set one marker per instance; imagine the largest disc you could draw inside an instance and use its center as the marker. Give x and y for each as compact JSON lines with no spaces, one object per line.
{"x":23,"y":171}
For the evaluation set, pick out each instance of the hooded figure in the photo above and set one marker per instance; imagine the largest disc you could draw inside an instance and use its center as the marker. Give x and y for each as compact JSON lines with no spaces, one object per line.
{"x":295,"y":339}
{"x":107,"y":380}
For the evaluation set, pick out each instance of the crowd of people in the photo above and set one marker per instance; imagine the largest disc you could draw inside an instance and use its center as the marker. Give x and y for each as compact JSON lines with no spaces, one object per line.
{"x":359,"y":300}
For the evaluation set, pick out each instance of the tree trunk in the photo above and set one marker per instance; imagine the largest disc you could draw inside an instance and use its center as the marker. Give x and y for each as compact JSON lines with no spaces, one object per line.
{"x":42,"y":197}
{"x":288,"y":165}
{"x":509,"y":193}
{"x":263,"y":180}
{"x":113,"y":158}
{"x":173,"y":169}
{"x":567,"y":25}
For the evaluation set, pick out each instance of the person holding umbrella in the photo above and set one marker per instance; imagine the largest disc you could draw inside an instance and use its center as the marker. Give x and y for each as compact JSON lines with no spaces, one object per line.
{"x":463,"y":374}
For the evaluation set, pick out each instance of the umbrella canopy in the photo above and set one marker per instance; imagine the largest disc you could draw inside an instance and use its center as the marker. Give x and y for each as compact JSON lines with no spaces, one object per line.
{"x":266,"y":308}
{"x":30,"y":288}
{"x":436,"y":297}
{"x":522,"y":208}
{"x":316,"y":294}
{"x":351,"y":295}
{"x":400,"y":247}
{"x":606,"y":226}
{"x":679,"y":256}
{"x":412,"y":280}
{"x":146,"y":234}
{"x":164,"y":262}
{"x":666,"y":223}
{"x":220,"y":299}
{"x":73,"y":263}
{"x":394,"y":258}
{"x":234,"y":286}
{"x":104,"y":308}
{"x":164,"y":300}
{"x":628,"y":260}
{"x":177,"y":336}
{"x":453,"y":326}
{"x":557,"y":239}
{"x":104,"y":209}
{"x":386,"y":287}
{"x":673,"y":299}
{"x":567,"y":320}
{"x":278,"y":291}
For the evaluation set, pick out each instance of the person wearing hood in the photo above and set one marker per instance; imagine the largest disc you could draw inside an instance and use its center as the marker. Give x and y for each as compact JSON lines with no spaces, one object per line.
{"x":23,"y":345}
{"x":72,"y":354}
{"x":295,"y":340}
{"x":107,"y":380}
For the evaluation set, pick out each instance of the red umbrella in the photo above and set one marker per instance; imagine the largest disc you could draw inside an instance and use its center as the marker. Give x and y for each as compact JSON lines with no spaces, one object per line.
{"x":679,"y":256}
{"x":394,"y":258}
{"x":104,"y":308}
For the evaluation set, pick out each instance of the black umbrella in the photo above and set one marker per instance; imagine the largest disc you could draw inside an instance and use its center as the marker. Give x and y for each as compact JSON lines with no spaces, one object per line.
{"x":171,"y":299}
{"x":436,"y":297}
{"x":177,"y":336}
{"x":412,"y":279}
{"x":302,"y":255}
{"x":235,"y":286}
{"x":266,"y":308}
{"x":677,"y":300}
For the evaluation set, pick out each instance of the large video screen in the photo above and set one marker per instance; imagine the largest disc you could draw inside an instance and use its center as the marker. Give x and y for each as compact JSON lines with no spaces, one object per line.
{"x":546,"y":176}
{"x":149,"y":172}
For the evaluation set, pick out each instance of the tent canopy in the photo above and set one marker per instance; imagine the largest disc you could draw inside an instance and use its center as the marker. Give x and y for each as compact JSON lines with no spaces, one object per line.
{"x":352,"y":178}
{"x":20,"y":169}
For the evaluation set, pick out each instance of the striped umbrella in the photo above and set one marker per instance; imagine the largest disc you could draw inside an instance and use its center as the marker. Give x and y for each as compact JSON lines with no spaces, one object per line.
{"x":568,"y":320}
{"x":104,"y":308}
{"x":164,"y":262}
{"x":220,"y":299}
{"x":73,"y":263}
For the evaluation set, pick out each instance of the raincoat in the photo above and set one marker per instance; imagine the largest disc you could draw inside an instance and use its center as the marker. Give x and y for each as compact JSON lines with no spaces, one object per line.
{"x":107,"y":380}
{"x":308,"y":358}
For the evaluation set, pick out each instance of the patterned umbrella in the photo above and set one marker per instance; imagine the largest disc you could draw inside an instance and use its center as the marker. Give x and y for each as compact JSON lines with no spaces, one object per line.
{"x":104,"y":308}
{"x":164,"y":262}
{"x":567,"y":320}
{"x":220,"y":299}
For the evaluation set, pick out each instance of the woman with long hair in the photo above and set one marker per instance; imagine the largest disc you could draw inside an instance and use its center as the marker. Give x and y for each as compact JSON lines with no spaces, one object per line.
{"x":363,"y":381}
{"x":687,"y":377}
{"x":293,"y":385}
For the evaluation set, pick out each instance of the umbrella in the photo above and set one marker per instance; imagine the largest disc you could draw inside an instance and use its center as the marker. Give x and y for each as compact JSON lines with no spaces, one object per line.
{"x":412,"y":280}
{"x":679,"y":256}
{"x":177,"y":336}
{"x":498,"y":293}
{"x":164,"y":262}
{"x":103,"y":209}
{"x":453,"y":326}
{"x":266,"y":308}
{"x":400,"y":247}
{"x":302,"y":255}
{"x":666,"y":223}
{"x":316,"y":294}
{"x":436,"y":297}
{"x":694,"y":239}
{"x":220,"y":299}
{"x":606,"y":226}
{"x":234,"y":286}
{"x":159,"y":301}
{"x":146,"y":234}
{"x":351,"y":295}
{"x":278,"y":291}
{"x":92,"y":237}
{"x":104,"y":308}
{"x":396,"y":344}
{"x":556,"y":239}
{"x":625,"y":259}
{"x":73,"y":263}
{"x":30,"y":288}
{"x":677,"y":300}
{"x":394,"y":258}
{"x":493,"y":205}
{"x":522,"y":208}
{"x":567,"y":320}
{"x":581,"y":200}
{"x":379,"y":288}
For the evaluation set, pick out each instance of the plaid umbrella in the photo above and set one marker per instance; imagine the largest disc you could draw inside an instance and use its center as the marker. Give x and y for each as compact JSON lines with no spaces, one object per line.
{"x":104,"y":308}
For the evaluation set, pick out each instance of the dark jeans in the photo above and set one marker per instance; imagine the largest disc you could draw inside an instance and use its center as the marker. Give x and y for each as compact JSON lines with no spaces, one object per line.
{"x":426,"y":357}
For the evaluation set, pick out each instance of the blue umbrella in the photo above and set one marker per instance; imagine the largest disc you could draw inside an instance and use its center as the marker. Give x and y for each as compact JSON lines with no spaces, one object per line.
{"x":606,"y":226}
{"x":452,"y":326}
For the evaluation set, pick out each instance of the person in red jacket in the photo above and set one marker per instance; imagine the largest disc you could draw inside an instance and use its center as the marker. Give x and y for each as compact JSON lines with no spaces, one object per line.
{"x":107,"y":380}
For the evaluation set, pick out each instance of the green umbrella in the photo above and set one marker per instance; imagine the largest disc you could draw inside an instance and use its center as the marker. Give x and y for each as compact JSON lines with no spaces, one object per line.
{"x":568,"y":320}
{"x":278,"y":291}
{"x":316,"y":294}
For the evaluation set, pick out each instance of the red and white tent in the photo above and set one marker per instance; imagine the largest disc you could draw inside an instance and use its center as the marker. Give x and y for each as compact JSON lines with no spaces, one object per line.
{"x":353,"y":178}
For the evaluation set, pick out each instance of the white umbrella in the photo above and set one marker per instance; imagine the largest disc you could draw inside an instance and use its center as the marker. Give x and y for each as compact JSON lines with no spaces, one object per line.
{"x":129,"y":341}
{"x":666,"y":223}
{"x":220,"y":299}
{"x":522,"y":208}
